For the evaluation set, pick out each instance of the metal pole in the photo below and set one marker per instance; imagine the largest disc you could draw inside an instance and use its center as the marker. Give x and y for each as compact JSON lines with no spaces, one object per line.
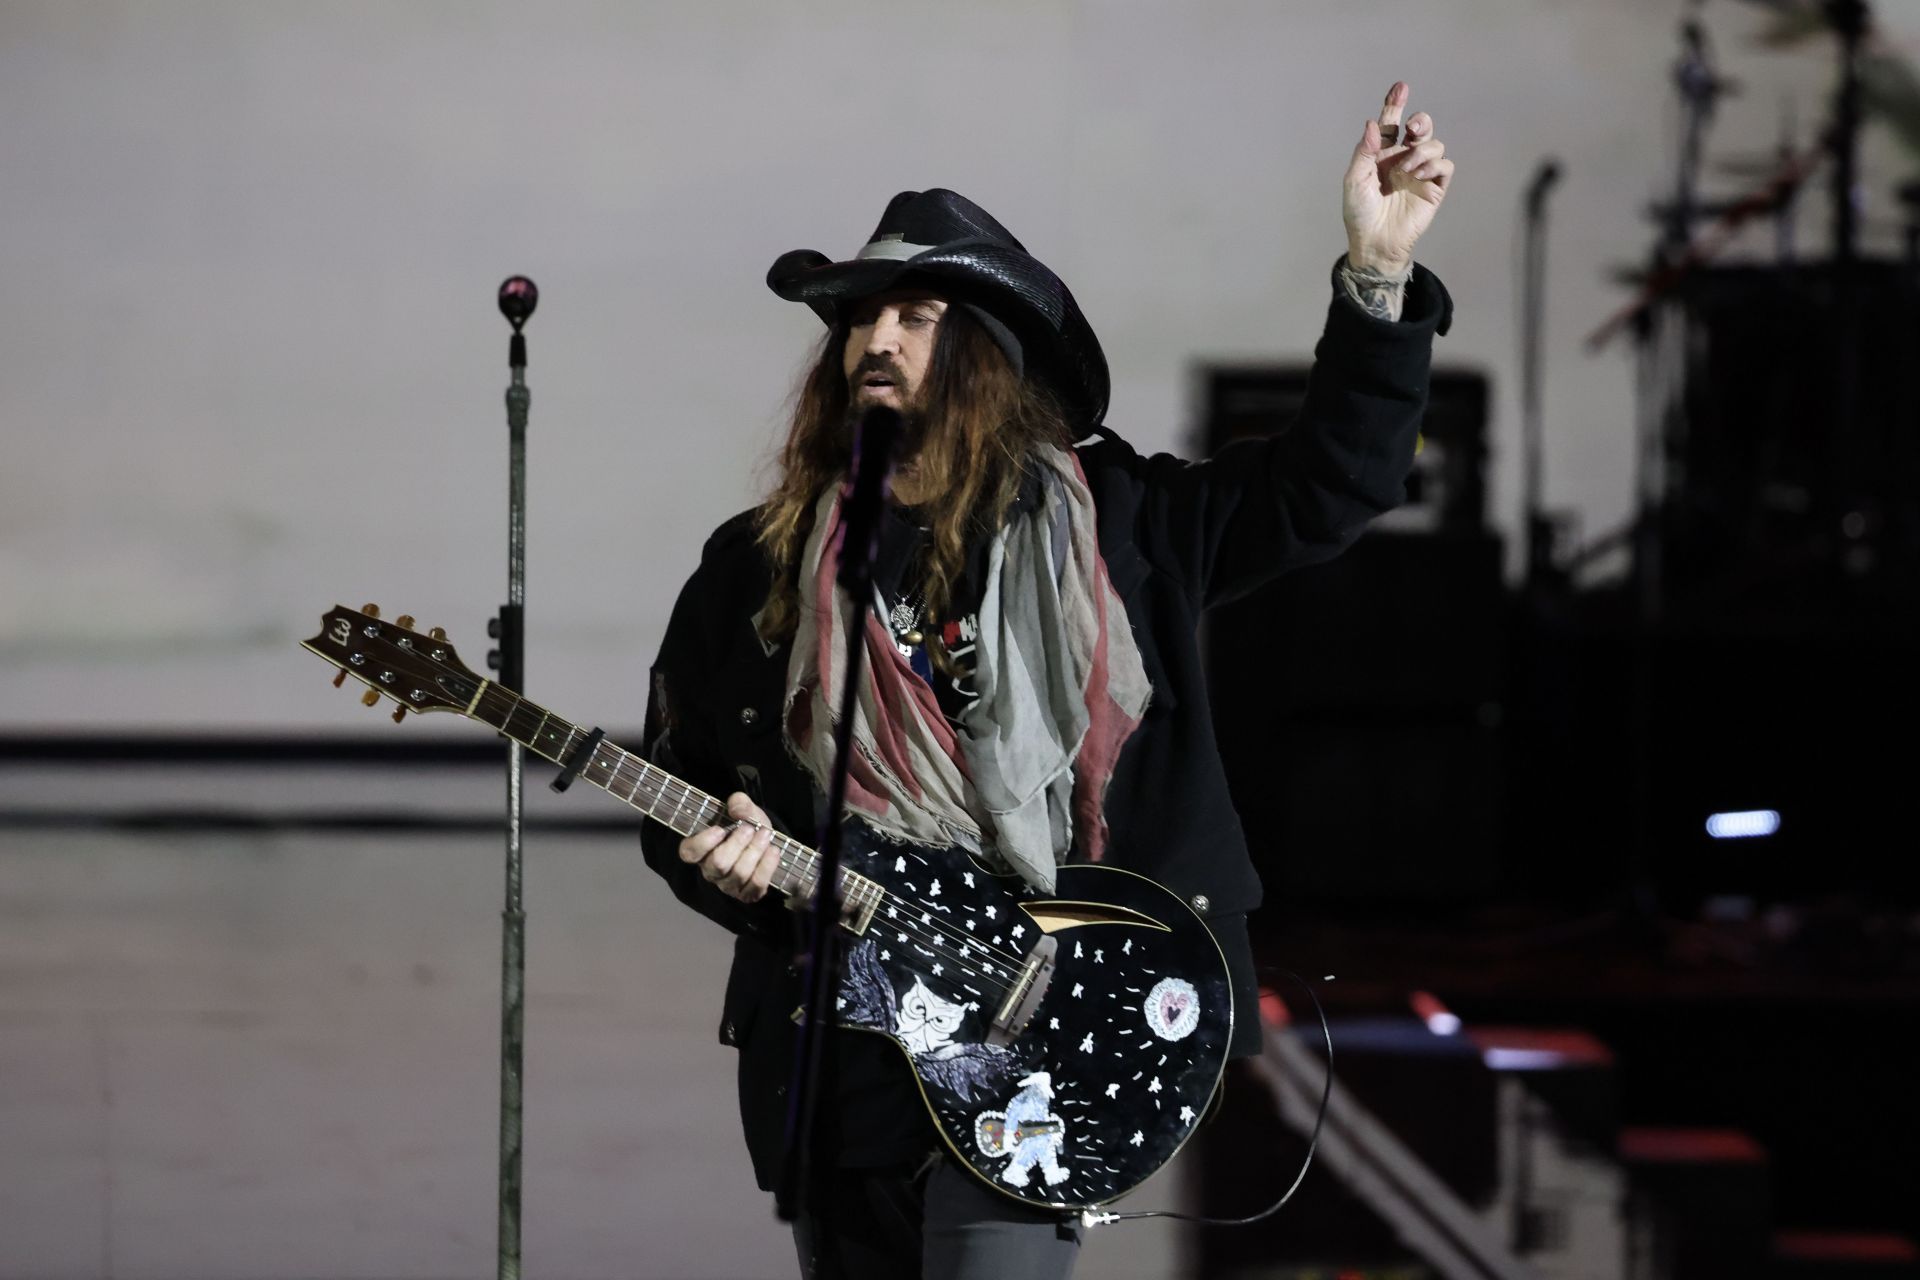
{"x":1539,"y":530}
{"x":518,"y":296}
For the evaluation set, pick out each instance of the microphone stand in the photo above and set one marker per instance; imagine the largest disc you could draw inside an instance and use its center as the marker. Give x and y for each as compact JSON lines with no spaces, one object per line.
{"x":1533,"y":272}
{"x":873,"y":446}
{"x":518,"y":297}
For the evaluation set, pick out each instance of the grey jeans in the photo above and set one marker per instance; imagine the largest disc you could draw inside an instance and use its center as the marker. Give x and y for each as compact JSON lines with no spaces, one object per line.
{"x":936,"y":1223}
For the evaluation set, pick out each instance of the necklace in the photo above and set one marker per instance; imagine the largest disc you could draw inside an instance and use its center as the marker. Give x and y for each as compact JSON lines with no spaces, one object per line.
{"x":904,"y":618}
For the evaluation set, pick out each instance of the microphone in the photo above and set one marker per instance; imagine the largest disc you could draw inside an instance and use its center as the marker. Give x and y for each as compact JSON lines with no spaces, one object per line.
{"x":518,"y":297}
{"x":874,"y":441}
{"x":875,"y":438}
{"x":1543,"y":179}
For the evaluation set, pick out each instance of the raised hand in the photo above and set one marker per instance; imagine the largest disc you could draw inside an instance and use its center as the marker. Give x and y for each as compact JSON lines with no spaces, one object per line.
{"x":1393,"y":188}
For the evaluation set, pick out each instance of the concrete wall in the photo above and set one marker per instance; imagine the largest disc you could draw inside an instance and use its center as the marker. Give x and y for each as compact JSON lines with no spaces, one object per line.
{"x":252,"y":365}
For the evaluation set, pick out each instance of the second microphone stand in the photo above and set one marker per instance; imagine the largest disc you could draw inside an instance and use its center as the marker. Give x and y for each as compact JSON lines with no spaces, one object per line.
{"x":518,"y":297}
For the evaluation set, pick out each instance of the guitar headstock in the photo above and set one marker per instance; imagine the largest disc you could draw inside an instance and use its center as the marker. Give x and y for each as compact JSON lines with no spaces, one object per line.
{"x":420,"y":672}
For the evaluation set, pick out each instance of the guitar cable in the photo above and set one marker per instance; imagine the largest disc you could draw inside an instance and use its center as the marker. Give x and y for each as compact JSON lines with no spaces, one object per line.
{"x":1095,"y":1218}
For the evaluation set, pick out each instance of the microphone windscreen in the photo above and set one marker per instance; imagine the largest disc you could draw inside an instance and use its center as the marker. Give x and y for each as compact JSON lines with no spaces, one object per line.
{"x":518,"y":297}
{"x":878,"y":436}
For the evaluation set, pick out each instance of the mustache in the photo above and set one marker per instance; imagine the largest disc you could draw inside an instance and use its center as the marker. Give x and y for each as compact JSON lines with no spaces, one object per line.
{"x":872,"y":363}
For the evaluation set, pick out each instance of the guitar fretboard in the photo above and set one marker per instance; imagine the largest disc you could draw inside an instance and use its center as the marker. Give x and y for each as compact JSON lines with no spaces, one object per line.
{"x":649,"y":788}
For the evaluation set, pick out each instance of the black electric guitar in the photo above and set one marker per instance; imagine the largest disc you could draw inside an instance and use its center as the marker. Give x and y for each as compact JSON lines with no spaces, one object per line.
{"x":1066,"y":1043}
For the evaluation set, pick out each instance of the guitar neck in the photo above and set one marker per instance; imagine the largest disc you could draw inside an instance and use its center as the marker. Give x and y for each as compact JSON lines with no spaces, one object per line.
{"x":647,"y":787}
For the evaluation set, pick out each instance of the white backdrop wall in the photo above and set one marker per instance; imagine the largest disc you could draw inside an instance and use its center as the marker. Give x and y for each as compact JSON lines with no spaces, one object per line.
{"x":252,"y":365}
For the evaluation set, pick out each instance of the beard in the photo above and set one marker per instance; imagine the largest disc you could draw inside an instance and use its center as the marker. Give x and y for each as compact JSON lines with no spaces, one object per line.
{"x":912,"y":407}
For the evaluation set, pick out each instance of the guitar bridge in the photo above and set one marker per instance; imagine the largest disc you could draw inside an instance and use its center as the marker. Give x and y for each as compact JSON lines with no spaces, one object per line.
{"x":1028,"y":989}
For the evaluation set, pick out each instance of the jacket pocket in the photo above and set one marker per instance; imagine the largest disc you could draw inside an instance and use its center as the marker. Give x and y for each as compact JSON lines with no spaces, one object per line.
{"x":755,"y":966}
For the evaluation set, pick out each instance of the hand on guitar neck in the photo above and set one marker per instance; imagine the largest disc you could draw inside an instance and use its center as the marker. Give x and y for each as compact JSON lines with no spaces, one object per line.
{"x":737,"y":858}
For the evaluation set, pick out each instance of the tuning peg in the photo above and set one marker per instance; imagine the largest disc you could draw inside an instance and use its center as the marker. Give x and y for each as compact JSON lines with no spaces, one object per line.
{"x":404,"y":622}
{"x":438,"y":633}
{"x":370,"y":697}
{"x":371,"y":610}
{"x":493,"y":659}
{"x":399,"y":714}
{"x":341,"y":678}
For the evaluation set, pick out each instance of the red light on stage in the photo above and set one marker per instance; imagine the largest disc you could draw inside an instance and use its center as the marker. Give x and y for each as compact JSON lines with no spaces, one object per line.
{"x":1440,"y":1020}
{"x":1273,"y":1010}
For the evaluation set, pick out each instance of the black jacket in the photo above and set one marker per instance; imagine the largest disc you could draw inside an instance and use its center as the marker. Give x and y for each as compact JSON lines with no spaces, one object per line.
{"x":1177,"y":537}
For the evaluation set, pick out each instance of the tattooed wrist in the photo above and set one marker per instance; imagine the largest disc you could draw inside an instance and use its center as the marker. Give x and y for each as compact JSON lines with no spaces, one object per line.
{"x":1381,"y":294}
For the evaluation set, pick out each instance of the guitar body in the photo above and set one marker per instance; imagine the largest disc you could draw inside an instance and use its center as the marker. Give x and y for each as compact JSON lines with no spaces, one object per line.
{"x":1122,"y":1052}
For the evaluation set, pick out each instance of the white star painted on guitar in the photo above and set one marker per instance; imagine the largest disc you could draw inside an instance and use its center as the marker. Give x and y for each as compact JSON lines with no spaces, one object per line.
{"x":899,"y":937}
{"x":1113,"y":1091}
{"x":1077,"y":989}
{"x":1099,"y":956}
{"x":893,"y":913}
{"x":1137,"y":1138}
{"x":886,"y":955}
{"x":969,"y":924}
{"x":1086,"y":1046}
{"x":1017,"y":931}
{"x":1128,"y":949}
{"x":1077,"y":952}
{"x":1186,"y":1115}
{"x":990,"y":912}
{"x":926,"y":917}
{"x":933,"y":890}
{"x":1153,"y":1085}
{"x":1053,"y":1024}
{"x":899,"y":864}
{"x":938,"y":970}
{"x":966,"y":878}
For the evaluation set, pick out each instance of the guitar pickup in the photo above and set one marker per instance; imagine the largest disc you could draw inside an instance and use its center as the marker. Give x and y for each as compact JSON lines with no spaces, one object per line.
{"x":1023,"y":1000}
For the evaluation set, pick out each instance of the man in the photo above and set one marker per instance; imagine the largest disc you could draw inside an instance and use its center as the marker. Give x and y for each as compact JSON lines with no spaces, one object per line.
{"x":1037,"y":692}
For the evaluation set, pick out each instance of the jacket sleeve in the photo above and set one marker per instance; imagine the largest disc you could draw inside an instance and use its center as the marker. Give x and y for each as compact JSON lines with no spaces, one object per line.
{"x":673,"y":741}
{"x":1260,"y":507}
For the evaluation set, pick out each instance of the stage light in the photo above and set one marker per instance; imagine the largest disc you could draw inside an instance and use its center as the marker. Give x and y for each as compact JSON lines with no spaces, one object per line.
{"x":1440,"y":1020}
{"x":1523,"y":1059}
{"x":1738,"y":826}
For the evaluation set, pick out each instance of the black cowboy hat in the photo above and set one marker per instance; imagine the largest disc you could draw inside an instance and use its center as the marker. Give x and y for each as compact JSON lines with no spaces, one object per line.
{"x":945,"y":242}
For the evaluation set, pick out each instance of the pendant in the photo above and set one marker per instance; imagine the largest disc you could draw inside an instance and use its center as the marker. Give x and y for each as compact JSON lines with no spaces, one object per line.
{"x":913,"y":637}
{"x":902,"y":617}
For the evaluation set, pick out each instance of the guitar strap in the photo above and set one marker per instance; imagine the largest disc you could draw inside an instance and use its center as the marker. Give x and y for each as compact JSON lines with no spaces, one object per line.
{"x":570,"y":767}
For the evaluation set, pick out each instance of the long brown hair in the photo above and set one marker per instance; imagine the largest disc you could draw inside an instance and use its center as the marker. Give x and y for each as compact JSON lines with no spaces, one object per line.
{"x":977,"y":426}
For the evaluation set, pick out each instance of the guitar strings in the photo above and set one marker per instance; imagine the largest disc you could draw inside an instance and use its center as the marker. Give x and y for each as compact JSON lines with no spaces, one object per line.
{"x":636,"y":768}
{"x":933,"y":933}
{"x":946,"y":947}
{"x":706,"y":809}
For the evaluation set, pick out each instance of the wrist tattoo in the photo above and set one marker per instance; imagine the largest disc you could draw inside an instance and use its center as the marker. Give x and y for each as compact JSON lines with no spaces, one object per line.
{"x":1376,"y":292}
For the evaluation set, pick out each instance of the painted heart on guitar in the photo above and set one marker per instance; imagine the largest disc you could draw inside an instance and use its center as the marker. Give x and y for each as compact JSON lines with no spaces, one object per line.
{"x":1172,"y":1009}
